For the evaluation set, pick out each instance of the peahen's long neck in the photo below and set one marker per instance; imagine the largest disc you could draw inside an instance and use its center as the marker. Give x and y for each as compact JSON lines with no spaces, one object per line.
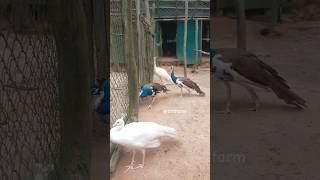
{"x":155,"y":64}
{"x":115,"y":134}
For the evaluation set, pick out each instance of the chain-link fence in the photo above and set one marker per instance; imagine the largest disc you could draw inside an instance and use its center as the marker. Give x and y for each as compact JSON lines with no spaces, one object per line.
{"x":29,"y":106}
{"x":45,"y":77}
{"x":131,"y":58}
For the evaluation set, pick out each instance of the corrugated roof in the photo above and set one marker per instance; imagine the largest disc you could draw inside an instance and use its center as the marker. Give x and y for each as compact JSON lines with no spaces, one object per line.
{"x":175,"y":9}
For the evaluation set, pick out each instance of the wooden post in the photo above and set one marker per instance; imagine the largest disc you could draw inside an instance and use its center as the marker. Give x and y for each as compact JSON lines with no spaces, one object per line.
{"x":74,"y":41}
{"x":131,"y":67}
{"x":152,"y":40}
{"x":211,"y":30}
{"x":185,"y":37}
{"x":196,"y":60}
{"x":100,"y":34}
{"x":139,"y":51}
{"x":275,"y":13}
{"x":241,"y":25}
{"x":101,"y":57}
{"x":153,"y":28}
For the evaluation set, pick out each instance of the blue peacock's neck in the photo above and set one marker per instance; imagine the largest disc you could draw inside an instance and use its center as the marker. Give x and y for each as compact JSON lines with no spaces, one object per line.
{"x":174,"y":77}
{"x":106,"y":90}
{"x":213,"y":68}
{"x":145,"y":91}
{"x":212,"y":53}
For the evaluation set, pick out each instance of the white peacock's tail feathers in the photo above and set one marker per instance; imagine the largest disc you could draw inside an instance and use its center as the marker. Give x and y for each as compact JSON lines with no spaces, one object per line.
{"x":168,"y":131}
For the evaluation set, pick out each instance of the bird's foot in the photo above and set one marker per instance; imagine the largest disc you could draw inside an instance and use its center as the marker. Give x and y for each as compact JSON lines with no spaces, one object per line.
{"x":139,"y":166}
{"x":149,"y":107}
{"x":223,"y":112}
{"x":226,"y":111}
{"x":130,"y":167}
{"x":253,"y":109}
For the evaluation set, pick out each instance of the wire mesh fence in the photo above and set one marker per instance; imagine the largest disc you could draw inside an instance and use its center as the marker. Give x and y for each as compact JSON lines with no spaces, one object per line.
{"x":29,"y":106}
{"x":131,"y":63}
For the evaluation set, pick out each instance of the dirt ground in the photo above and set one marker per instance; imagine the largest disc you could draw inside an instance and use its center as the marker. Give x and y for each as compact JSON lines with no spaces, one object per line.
{"x":186,"y":158}
{"x":278,"y":142}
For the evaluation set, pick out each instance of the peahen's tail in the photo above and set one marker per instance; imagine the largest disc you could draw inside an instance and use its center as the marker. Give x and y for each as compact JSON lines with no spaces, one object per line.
{"x":283,"y":92}
{"x":198,"y":90}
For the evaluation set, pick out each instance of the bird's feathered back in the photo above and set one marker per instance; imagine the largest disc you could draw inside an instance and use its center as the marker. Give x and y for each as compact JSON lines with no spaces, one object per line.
{"x":158,"y":87}
{"x":151,"y":89}
{"x":252,"y":68}
{"x":187,"y":82}
{"x":140,"y":134}
{"x":160,"y":72}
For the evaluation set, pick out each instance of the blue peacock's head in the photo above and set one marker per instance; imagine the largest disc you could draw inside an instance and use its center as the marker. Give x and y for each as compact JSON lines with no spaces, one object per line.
{"x":213,"y":60}
{"x":212,"y":53}
{"x":145,"y":91}
{"x":101,"y":89}
{"x":173,"y":76}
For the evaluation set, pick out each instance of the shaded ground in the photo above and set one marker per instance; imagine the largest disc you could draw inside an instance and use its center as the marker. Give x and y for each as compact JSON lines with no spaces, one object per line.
{"x":187,"y":158}
{"x":279,"y":142}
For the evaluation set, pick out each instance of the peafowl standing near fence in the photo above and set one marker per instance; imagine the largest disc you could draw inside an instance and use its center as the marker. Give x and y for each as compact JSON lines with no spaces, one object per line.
{"x":151,"y":89}
{"x":245,"y":68}
{"x":101,"y":89}
{"x":161,"y":73}
{"x":185,"y":83}
{"x":139,"y":136}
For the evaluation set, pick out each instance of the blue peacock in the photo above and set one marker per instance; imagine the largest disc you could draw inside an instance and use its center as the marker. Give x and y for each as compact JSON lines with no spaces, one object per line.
{"x":185,"y":83}
{"x":151,"y":89}
{"x":101,"y":89}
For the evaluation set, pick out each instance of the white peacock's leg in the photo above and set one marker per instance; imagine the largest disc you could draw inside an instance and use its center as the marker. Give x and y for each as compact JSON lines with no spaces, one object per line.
{"x":130,"y":166}
{"x":153,"y":98}
{"x":180,"y":91}
{"x":255,"y":98}
{"x":143,"y":158}
{"x":133,"y":156}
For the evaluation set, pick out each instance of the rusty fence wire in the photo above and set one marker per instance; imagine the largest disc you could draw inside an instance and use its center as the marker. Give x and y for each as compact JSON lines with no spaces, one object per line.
{"x":29,"y":106}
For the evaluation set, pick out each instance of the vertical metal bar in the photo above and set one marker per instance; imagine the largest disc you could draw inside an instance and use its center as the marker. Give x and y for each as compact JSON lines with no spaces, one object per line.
{"x":185,"y":36}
